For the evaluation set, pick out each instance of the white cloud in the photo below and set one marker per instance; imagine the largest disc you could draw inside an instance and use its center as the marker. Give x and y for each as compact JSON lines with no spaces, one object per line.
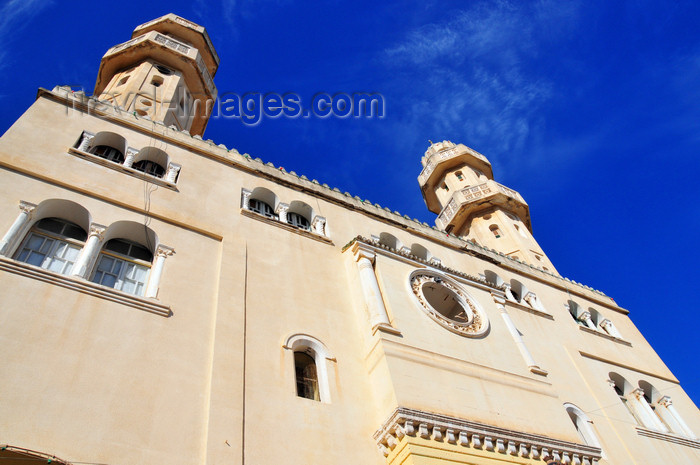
{"x":474,"y":75}
{"x":14,"y":15}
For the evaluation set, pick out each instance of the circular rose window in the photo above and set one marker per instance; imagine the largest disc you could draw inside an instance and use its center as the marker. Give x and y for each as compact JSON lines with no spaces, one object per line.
{"x":449,"y":305}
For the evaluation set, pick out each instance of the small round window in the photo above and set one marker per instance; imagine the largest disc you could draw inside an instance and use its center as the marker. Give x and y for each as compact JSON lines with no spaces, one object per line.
{"x":446,"y":303}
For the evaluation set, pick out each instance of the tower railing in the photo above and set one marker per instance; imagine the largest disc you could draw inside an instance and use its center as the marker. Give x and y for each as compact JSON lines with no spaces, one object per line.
{"x":471,"y":195}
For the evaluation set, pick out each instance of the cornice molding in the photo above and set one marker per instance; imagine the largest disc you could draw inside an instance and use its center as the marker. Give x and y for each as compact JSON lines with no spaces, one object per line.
{"x":442,"y":428}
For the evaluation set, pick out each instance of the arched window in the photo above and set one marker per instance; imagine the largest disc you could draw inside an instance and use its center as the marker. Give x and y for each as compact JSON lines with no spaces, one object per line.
{"x":583,"y":425}
{"x":311,"y":358}
{"x":306,"y":376}
{"x":123,"y":265}
{"x":389,"y":241}
{"x":258,"y":206}
{"x":300,"y":214}
{"x":53,"y":244}
{"x":107,"y":145}
{"x":150,"y":167}
{"x":576,"y":312}
{"x":296,"y":219}
{"x":152,"y":161}
{"x":495,"y":230}
{"x":493,"y":278}
{"x":262,"y":201}
{"x":108,"y":153}
{"x":420,"y":252}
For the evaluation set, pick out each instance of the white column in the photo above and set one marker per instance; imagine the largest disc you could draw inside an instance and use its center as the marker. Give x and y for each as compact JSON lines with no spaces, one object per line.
{"x":509,"y":293}
{"x":610,"y":328}
{"x":586,"y":318}
{"x":129,"y":157}
{"x":643,"y":409}
{"x":670,"y":415}
{"x":373,"y":296}
{"x":157,"y":270}
{"x":519,"y":342}
{"x":281,"y":211}
{"x":173,"y":169}
{"x":87,"y":256}
{"x":245,"y":198}
{"x":319,"y":225}
{"x":12,"y":235}
{"x":85,"y":141}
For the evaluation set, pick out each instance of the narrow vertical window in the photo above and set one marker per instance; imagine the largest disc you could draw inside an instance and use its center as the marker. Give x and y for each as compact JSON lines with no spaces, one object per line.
{"x":306,"y":376}
{"x":495,"y":230}
{"x":459,"y":175}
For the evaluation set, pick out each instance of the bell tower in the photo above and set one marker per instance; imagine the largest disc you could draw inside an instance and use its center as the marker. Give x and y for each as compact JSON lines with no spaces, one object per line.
{"x":165,"y":72}
{"x":457,"y":184}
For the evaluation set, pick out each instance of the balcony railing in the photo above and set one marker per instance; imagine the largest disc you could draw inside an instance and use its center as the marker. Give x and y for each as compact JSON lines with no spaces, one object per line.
{"x":473,"y":194}
{"x":438,"y":157}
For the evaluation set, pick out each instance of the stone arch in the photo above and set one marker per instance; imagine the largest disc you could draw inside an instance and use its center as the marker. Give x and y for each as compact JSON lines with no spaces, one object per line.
{"x":109,"y":139}
{"x":518,"y":289}
{"x":620,"y":383}
{"x":390,"y":241}
{"x":63,"y":209}
{"x":265,"y":195}
{"x":420,"y":252}
{"x":493,"y":278}
{"x":152,"y":160}
{"x":134,"y":232}
{"x":300,"y":214}
{"x":583,"y":425}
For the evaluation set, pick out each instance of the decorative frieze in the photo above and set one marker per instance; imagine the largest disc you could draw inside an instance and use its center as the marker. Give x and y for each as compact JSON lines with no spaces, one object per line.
{"x":481,"y":436}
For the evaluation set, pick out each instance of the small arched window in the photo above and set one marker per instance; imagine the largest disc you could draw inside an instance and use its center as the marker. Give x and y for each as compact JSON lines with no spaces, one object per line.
{"x":495,"y":230}
{"x":583,"y":425}
{"x":53,"y":244}
{"x":298,"y":220}
{"x":150,"y":167}
{"x":311,"y":358}
{"x":306,"y":376}
{"x":123,"y":265}
{"x":459,"y":175}
{"x":108,"y":153}
{"x":258,"y":206}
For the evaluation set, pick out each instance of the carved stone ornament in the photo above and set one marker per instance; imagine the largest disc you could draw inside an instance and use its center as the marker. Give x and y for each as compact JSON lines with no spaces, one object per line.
{"x":462,"y":317}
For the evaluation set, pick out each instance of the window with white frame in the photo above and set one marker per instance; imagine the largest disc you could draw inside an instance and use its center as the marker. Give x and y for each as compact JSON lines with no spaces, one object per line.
{"x":258,"y":206}
{"x":123,"y":265}
{"x":53,"y":244}
{"x":298,"y":220}
{"x":583,"y":425}
{"x":310,"y":358}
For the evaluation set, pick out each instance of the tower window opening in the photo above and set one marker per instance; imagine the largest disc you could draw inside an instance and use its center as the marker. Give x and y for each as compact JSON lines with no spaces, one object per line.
{"x":163,"y":70}
{"x":306,"y":376}
{"x":444,"y":186}
{"x":157,"y":81}
{"x":459,"y":175}
{"x":123,"y":80}
{"x":495,"y":230}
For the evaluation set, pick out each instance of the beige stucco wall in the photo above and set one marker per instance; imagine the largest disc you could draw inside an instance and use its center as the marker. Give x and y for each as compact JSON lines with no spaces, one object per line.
{"x":89,"y":379}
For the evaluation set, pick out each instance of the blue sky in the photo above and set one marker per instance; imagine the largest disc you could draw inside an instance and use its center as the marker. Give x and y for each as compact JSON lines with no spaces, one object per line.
{"x":589,"y":109}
